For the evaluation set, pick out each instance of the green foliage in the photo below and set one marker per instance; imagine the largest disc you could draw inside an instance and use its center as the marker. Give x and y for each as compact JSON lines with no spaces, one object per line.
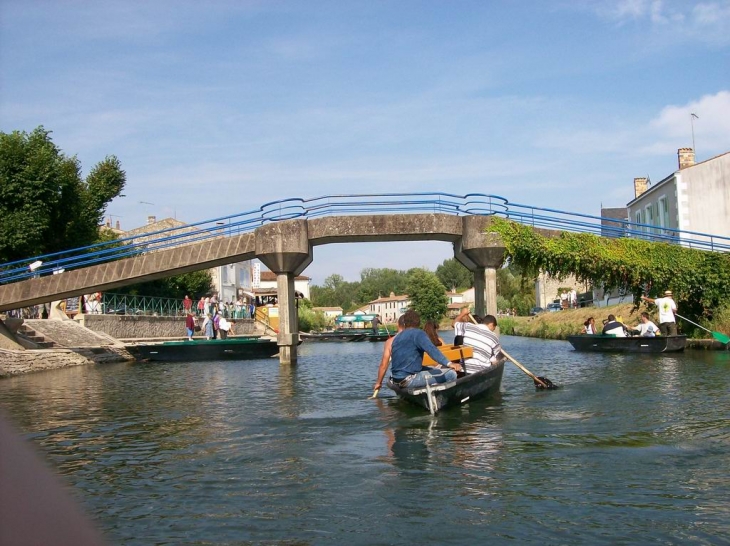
{"x":700,"y":280}
{"x":195,"y":284}
{"x":427,"y":295}
{"x":336,"y":292}
{"x":376,"y":283}
{"x":310,"y":320}
{"x":45,"y":204}
{"x":454,"y":276}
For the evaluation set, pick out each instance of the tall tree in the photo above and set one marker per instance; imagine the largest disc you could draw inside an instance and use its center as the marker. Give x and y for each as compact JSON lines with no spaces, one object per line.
{"x":454,"y":276}
{"x":45,"y":204}
{"x":427,"y":294}
{"x":375,"y":283}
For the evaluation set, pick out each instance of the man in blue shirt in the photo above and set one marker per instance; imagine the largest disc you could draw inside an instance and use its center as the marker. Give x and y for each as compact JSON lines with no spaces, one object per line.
{"x":407,"y":357}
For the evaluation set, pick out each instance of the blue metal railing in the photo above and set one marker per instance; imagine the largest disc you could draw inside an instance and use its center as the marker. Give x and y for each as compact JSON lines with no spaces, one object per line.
{"x":345,"y":205}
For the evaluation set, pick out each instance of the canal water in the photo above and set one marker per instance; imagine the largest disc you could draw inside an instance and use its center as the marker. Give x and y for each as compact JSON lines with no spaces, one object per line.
{"x":633,"y":449}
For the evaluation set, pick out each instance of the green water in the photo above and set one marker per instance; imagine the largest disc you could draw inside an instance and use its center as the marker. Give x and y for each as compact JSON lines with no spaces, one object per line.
{"x":633,"y":449}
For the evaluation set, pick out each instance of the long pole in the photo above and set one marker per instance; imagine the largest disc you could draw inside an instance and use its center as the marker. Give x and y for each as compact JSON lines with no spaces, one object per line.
{"x":692,"y":117}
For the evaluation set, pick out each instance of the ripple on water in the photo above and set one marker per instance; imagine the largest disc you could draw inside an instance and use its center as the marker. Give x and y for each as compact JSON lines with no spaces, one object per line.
{"x":630,"y":449}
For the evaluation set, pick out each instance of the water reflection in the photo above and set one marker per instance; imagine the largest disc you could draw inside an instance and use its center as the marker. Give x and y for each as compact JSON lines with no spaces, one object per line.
{"x":630,"y":449}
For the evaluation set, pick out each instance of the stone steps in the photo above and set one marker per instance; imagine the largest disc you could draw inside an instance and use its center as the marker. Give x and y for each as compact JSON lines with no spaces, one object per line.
{"x":39,"y":341}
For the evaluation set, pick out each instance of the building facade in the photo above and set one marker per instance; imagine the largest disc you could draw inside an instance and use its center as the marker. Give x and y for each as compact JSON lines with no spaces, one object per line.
{"x":389,"y":308}
{"x":694,"y":198}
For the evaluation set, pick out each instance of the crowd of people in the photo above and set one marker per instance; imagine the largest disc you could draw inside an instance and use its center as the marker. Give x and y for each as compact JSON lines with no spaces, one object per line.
{"x":211,"y":316}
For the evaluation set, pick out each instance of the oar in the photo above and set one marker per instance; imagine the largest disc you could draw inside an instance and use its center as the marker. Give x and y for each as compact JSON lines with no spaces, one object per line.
{"x":375,"y":393}
{"x":722,"y":338}
{"x":540,"y":382}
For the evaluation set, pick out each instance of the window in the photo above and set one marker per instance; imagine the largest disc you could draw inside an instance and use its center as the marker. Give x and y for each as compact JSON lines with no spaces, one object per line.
{"x":638,"y":220}
{"x":649,"y":217}
{"x":663,"y":212}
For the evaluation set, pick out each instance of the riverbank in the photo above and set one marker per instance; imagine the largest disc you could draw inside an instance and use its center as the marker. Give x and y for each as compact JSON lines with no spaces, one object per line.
{"x":561,"y":324}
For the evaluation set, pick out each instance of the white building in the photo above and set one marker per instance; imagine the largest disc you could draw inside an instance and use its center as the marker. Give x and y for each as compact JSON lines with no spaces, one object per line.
{"x":695,"y":198}
{"x":268,"y":283}
{"x":389,"y":308}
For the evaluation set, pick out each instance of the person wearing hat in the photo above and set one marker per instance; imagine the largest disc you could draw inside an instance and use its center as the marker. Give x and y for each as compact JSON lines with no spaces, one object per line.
{"x":667,"y":308}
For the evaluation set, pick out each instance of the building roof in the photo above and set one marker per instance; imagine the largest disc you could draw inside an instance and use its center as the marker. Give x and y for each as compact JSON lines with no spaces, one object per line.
{"x":271,"y":276}
{"x":325,"y":309}
{"x":392,"y":297}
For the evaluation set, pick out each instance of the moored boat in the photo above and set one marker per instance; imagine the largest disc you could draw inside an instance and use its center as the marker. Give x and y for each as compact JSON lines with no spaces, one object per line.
{"x":612,"y":344}
{"x":355,"y":327}
{"x":236,"y":348}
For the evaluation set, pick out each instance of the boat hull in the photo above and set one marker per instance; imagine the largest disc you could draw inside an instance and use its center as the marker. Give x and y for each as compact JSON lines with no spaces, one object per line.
{"x":214,"y":349}
{"x":344,"y":336}
{"x":482,"y":384}
{"x":611,"y":344}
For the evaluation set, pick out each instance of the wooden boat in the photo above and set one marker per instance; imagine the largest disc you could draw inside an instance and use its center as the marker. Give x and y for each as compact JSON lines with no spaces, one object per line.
{"x":612,"y":344}
{"x":434,"y":398}
{"x":236,"y":348}
{"x":355,"y":327}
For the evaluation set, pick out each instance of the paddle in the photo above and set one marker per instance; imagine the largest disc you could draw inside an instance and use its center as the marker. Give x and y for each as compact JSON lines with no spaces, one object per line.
{"x":375,"y":393}
{"x":540,"y":382}
{"x":722,"y":338}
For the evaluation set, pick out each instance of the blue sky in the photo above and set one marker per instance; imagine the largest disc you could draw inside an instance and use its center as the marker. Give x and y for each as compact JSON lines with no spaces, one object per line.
{"x":218,"y":107}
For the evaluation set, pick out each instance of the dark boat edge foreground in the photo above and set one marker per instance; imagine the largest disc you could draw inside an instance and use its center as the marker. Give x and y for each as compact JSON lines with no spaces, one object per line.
{"x":612,"y":344}
{"x":434,"y":398}
{"x":343,"y":336}
{"x":237,"y":348}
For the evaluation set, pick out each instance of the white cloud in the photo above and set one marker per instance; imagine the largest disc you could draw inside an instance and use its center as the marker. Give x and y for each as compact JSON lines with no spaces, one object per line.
{"x":673,"y":127}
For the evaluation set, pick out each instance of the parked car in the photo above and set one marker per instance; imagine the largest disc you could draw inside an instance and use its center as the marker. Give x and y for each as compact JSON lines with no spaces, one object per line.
{"x":553,"y":307}
{"x":122,"y":309}
{"x":536,"y":311}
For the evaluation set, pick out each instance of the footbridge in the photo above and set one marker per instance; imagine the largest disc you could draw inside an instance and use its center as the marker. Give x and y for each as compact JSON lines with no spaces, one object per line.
{"x":282,"y":234}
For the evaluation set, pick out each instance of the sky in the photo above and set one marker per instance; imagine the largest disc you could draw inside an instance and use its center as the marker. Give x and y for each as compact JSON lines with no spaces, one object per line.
{"x":218,"y":107}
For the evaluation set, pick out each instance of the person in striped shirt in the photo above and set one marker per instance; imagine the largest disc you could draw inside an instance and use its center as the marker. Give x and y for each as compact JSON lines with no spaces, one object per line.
{"x":483,"y":339}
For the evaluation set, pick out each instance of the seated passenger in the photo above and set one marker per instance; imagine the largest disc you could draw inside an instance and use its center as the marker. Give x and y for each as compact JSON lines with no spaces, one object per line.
{"x":589,"y":326}
{"x":614,"y":328}
{"x":485,"y":343}
{"x":407,"y":357}
{"x":646,"y":328}
{"x":431,"y":329}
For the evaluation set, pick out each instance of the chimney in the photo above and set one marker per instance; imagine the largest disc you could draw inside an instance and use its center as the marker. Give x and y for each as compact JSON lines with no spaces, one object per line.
{"x":109,"y":223}
{"x":118,"y":226}
{"x":686,"y":157}
{"x":151,"y":220}
{"x":640,"y":186}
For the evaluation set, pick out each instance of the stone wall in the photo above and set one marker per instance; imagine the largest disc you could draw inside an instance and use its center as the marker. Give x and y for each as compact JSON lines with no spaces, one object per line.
{"x":21,"y":362}
{"x":139,"y":327}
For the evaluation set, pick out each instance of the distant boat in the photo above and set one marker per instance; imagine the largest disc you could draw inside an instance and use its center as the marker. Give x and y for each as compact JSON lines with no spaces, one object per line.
{"x":354,"y":327}
{"x":235,"y":348}
{"x":612,"y":344}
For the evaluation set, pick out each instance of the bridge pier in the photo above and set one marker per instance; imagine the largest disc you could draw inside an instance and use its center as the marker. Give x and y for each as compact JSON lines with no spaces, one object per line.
{"x":482,"y":253}
{"x":284,"y":248}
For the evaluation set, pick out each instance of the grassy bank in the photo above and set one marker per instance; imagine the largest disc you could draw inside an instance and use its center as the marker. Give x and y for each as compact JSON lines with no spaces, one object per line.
{"x":564,"y":323}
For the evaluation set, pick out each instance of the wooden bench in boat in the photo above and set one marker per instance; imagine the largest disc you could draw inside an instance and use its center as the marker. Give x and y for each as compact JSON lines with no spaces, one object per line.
{"x":453,"y":352}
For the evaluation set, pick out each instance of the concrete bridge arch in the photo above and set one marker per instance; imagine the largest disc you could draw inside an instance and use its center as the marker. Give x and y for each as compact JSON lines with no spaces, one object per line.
{"x":285,"y":247}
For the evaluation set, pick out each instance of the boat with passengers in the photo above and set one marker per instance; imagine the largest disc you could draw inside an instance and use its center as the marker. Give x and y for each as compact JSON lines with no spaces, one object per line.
{"x":635,"y":344}
{"x":466,"y":387}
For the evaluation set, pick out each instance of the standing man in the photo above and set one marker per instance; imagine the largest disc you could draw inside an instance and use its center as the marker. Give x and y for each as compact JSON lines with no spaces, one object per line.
{"x":406,"y":355}
{"x":187,"y":304}
{"x":376,"y":324}
{"x":667,"y":308}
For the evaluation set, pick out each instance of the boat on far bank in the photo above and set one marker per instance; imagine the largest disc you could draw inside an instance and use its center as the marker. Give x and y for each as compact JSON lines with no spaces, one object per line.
{"x":355,"y":327}
{"x":233,"y":348}
{"x":613,"y":344}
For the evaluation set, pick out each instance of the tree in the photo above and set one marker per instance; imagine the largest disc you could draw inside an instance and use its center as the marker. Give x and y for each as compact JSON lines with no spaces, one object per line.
{"x":454,"y":276}
{"x":427,"y":294}
{"x":195,"y":284}
{"x":375,"y":283}
{"x":45,"y":204}
{"x":335,"y":292}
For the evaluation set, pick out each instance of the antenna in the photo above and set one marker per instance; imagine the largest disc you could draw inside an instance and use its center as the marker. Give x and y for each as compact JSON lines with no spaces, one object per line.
{"x":692,"y":118}
{"x":146,"y":203}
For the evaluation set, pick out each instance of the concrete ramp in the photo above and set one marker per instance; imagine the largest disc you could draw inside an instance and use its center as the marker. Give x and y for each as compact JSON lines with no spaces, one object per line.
{"x":67,"y":333}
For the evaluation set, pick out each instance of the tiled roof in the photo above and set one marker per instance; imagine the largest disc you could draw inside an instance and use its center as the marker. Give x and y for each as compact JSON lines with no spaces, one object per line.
{"x":271,"y":276}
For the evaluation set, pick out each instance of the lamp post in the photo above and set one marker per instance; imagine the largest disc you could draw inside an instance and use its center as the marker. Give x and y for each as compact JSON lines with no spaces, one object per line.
{"x":692,"y":118}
